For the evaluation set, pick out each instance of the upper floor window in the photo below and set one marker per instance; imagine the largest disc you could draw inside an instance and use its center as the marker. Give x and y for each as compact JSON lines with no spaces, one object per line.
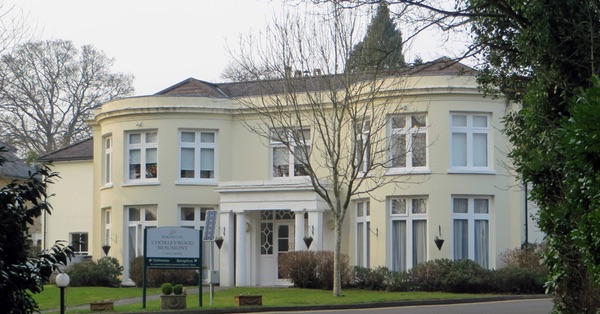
{"x":142,"y":150}
{"x":197,"y":155}
{"x":363,"y":145}
{"x":290,"y":160}
{"x":108,"y":148}
{"x":470,"y":141}
{"x":408,"y":141}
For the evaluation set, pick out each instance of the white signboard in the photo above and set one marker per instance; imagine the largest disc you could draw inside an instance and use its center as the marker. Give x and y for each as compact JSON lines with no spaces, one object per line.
{"x":172,"y":245}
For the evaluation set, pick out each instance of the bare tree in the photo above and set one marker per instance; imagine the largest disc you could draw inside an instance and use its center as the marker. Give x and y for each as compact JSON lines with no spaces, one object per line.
{"x":49,"y":88}
{"x":331,"y":122}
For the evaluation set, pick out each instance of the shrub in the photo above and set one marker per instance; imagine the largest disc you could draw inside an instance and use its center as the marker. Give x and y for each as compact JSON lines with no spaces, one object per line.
{"x":518,"y":280}
{"x":178,"y":289}
{"x":429,"y":276}
{"x":310,"y":269}
{"x":530,"y":256}
{"x":398,"y":282}
{"x":466,"y":276}
{"x":166,"y":288}
{"x":106,"y":272}
{"x":155,"y":277}
{"x":371,"y":279}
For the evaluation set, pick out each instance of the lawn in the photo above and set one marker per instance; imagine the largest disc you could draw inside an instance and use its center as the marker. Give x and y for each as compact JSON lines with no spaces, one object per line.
{"x":49,"y":299}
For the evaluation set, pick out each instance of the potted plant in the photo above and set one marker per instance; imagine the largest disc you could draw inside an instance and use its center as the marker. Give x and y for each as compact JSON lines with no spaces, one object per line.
{"x":219,"y":242}
{"x":173,"y":297}
{"x":307,"y":241}
{"x":439,"y":241}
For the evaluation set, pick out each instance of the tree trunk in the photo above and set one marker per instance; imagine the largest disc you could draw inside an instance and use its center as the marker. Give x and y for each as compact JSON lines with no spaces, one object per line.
{"x":337,"y":274}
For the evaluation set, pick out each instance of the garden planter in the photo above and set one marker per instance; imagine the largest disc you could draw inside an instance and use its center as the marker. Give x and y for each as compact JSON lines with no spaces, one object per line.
{"x":102,"y":306}
{"x":248,"y":299}
{"x":173,"y":302}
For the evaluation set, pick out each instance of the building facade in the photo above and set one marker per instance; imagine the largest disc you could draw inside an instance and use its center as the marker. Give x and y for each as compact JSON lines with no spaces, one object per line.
{"x":166,"y":159}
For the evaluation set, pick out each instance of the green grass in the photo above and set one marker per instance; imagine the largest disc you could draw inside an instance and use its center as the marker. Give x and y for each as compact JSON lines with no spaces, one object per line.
{"x":49,"y":299}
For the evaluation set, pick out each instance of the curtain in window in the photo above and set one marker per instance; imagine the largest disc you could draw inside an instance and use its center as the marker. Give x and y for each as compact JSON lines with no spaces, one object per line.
{"x":482,"y":243}
{"x":419,"y":241}
{"x":368,"y":245}
{"x":187,"y":162}
{"x":360,"y":245}
{"x":459,"y":149}
{"x":480,"y":150}
{"x":207,"y":163}
{"x":399,"y":245}
{"x":461,"y":239}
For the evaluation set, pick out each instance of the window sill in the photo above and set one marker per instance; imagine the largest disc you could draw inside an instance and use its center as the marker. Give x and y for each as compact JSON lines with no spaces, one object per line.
{"x":197,"y":182}
{"x":106,"y":186}
{"x":472,"y":171}
{"x":397,"y":171}
{"x":138,"y":183}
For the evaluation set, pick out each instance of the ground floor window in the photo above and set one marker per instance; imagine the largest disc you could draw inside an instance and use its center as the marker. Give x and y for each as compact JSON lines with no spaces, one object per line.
{"x":363,"y":234}
{"x":408,"y":217}
{"x":194,"y":217}
{"x":471,"y":228}
{"x":139,"y":218}
{"x":79,"y":241}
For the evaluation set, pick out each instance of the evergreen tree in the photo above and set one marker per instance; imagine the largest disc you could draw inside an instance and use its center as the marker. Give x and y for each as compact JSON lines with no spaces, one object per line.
{"x":382,"y":46}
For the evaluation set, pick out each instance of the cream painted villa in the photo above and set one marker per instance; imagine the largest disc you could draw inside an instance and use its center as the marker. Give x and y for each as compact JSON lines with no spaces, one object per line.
{"x":165,"y":159}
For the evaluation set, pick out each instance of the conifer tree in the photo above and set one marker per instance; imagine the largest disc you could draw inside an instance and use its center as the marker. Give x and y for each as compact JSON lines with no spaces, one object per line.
{"x":382,"y":46}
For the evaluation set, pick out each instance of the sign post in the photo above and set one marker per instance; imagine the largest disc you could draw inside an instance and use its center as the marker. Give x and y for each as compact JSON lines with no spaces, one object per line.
{"x":210,"y":230}
{"x":172,"y":247}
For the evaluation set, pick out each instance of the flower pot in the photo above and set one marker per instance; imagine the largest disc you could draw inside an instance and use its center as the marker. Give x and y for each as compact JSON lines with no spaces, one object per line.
{"x":219,"y":242}
{"x":173,"y":302}
{"x":439,"y":243}
{"x":248,"y":299}
{"x":307,"y":242}
{"x":102,"y":306}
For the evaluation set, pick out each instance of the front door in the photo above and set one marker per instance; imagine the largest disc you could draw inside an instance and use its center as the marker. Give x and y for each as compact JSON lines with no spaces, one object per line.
{"x":277,"y":238}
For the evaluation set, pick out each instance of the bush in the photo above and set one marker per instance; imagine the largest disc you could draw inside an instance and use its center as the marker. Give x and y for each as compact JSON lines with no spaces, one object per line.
{"x":166,"y":288}
{"x":466,"y":276}
{"x":429,"y":276}
{"x":398,"y":282}
{"x":530,"y":256}
{"x":518,"y":280}
{"x":156,"y":277}
{"x":370,"y":279}
{"x":310,"y":269}
{"x":178,"y":289}
{"x":104,"y":273}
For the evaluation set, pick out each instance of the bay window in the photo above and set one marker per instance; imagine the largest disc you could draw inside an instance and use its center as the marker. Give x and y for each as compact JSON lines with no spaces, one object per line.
{"x":470,"y":141}
{"x":142,"y":151}
{"x":408,"y":216}
{"x":197,"y":155}
{"x":471,"y":229}
{"x":290,"y":150}
{"x":408,"y":141}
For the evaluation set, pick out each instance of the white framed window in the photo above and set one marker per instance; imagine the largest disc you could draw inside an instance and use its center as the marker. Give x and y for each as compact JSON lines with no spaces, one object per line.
{"x":138,"y":219}
{"x":363,"y":144}
{"x":290,"y":162}
{"x":471,"y":228}
{"x":197,"y":155}
{"x":470,"y":141}
{"x":79,"y":241}
{"x":142,"y":156}
{"x":363,"y":234}
{"x":408,"y":142}
{"x":194,"y":216}
{"x":106,"y":216}
{"x":108,"y":149}
{"x":408,"y":216}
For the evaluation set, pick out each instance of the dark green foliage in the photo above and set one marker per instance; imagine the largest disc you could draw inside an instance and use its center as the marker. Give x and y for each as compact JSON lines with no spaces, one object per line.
{"x":429,"y":276}
{"x":166,"y":288}
{"x":370,"y":279}
{"x":460,"y":276}
{"x":156,"y":277}
{"x":382,"y":46}
{"x":541,"y":54}
{"x":105,"y":272}
{"x":21,"y":275}
{"x":310,"y":269}
{"x":178,"y":289}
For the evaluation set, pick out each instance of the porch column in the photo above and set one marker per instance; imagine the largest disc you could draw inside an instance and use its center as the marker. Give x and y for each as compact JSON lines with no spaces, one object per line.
{"x":240,"y":252}
{"x":226,"y":263}
{"x":299,"y":238}
{"x":315,"y":222}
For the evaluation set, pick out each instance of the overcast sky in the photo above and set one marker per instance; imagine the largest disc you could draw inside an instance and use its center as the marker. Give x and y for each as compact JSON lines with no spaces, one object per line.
{"x":163,"y":42}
